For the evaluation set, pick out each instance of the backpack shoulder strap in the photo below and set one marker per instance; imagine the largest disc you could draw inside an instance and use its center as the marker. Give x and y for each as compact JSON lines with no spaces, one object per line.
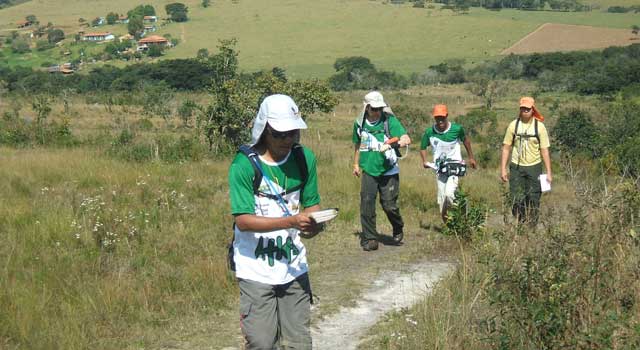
{"x":515,"y":132}
{"x":250,"y":152}
{"x":298,"y":154}
{"x":386,"y":125}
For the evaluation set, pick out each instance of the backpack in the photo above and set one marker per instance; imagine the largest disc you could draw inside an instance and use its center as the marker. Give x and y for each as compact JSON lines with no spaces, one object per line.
{"x":298,"y":154}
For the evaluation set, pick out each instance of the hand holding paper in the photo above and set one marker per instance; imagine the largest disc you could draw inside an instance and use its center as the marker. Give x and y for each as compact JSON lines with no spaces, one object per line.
{"x":325,"y":215}
{"x":545,"y":185}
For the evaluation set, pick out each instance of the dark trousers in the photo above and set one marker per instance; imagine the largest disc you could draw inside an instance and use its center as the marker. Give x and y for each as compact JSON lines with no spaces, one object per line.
{"x":389,"y":189}
{"x":525,"y":192}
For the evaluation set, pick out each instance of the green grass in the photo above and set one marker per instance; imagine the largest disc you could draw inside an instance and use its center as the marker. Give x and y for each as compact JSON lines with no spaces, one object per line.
{"x":307,"y":37}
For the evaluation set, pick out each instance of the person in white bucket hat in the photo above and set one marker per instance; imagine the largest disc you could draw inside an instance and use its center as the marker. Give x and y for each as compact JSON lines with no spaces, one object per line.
{"x":273,"y":188}
{"x":377,"y":134}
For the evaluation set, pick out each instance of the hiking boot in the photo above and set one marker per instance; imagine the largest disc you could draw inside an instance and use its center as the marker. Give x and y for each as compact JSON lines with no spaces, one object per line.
{"x":370,"y":245}
{"x":397,"y":237}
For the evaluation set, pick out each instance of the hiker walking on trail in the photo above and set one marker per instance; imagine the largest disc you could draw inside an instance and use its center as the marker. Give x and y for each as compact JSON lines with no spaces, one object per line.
{"x":444,"y":137}
{"x":377,"y":136}
{"x":273,"y":187}
{"x":528,"y":142}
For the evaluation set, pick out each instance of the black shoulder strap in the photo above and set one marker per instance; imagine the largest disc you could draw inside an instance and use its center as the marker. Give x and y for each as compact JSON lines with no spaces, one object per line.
{"x":250,"y":152}
{"x":515,"y":132}
{"x":298,"y":154}
{"x":387,"y":133}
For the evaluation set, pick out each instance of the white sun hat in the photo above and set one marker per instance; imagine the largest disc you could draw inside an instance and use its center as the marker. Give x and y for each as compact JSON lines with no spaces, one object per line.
{"x":282,"y":114}
{"x":374,"y":99}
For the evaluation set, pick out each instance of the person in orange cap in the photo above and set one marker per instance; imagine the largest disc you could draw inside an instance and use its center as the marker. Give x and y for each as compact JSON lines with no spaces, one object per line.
{"x":444,"y":137}
{"x":527,"y":141}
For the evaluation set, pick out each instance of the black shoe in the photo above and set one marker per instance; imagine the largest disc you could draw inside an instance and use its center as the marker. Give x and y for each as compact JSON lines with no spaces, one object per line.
{"x":370,"y":245}
{"x":397,"y":237}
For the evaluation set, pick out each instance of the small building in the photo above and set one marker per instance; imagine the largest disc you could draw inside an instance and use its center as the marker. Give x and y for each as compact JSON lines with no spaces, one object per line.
{"x":123,"y":19}
{"x":98,"y":21}
{"x":23,"y":24}
{"x":150,"y":19}
{"x":145,"y":43}
{"x":149,"y":29}
{"x":98,"y":36}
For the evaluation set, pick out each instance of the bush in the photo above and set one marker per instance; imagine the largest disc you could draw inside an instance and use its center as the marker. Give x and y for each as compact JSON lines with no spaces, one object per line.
{"x":576,"y":133}
{"x":464,"y":217}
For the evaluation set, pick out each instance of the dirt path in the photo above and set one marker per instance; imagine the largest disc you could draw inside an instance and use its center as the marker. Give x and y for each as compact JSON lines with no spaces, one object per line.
{"x":392,"y":290}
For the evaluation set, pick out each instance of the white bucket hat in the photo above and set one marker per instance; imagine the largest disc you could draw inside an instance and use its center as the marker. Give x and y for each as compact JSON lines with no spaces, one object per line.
{"x":375,"y":100}
{"x":282,"y":114}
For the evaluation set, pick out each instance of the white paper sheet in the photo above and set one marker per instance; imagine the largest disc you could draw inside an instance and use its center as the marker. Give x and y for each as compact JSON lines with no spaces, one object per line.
{"x":544,"y":184}
{"x":324,"y":215}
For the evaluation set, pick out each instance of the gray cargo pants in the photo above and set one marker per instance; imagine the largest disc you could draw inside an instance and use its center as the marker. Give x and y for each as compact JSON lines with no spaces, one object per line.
{"x":389,"y":188}
{"x":276,"y":315}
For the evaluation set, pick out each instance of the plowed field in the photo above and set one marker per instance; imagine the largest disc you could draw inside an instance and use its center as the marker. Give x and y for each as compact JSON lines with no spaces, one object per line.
{"x":551,"y":37}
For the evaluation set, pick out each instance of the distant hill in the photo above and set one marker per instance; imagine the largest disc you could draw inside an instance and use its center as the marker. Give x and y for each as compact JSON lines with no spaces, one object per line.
{"x":7,"y":3}
{"x":306,"y":37}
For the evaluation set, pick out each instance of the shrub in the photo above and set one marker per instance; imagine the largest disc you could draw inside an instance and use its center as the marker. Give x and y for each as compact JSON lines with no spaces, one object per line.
{"x":576,"y":133}
{"x":464,"y":217}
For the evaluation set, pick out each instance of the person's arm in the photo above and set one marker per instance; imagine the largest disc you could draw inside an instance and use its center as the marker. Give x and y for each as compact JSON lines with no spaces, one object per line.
{"x":506,"y":150}
{"x":405,"y":140}
{"x":467,"y":146}
{"x":546,"y":159}
{"x":423,"y":155}
{"x":356,"y":161}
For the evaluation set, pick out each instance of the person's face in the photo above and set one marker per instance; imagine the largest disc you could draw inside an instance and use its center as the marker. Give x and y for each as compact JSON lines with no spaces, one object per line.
{"x":441,"y":123}
{"x":374,"y":113}
{"x":526,"y":113}
{"x":279,"y":143}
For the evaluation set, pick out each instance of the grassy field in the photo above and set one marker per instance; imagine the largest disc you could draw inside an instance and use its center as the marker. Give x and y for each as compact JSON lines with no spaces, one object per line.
{"x":305,"y":37}
{"x":102,"y":253}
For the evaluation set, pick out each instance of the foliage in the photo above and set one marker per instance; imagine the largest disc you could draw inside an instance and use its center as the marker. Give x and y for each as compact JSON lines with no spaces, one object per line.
{"x":235,"y":98}
{"x":156,"y":100}
{"x":186,"y":111}
{"x":135,"y":26}
{"x":177,"y":11}
{"x":358,"y":72}
{"x":206,"y":3}
{"x":155,"y":51}
{"x":576,"y":133}
{"x":55,"y":35}
{"x":479,"y":122}
{"x":20,"y":46}
{"x":112,"y":18}
{"x":464,"y":217}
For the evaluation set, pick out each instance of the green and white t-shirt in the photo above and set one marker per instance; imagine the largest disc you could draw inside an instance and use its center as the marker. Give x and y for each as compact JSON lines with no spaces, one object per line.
{"x":444,"y":144}
{"x":371,"y":137}
{"x":275,"y":257}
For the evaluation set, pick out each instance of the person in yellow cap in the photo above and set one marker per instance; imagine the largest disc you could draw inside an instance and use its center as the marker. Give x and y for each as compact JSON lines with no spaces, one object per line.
{"x":527,"y":141}
{"x":444,"y":137}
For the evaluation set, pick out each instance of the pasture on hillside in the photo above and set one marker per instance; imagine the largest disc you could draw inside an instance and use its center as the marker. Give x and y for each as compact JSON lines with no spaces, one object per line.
{"x":306,"y":38}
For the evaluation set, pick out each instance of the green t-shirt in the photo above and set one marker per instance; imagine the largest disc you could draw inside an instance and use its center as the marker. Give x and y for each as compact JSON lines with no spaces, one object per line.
{"x":370,"y":137}
{"x":445,"y":143}
{"x":285,"y":175}
{"x":279,"y":256}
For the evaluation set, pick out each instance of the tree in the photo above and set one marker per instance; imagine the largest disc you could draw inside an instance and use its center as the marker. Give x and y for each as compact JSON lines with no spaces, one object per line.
{"x":202,"y":54}
{"x":112,"y":18}
{"x":177,"y":11}
{"x":55,"y":35}
{"x":135,"y":26}
{"x":155,"y":51}
{"x":20,"y":46}
{"x":206,"y":3}
{"x":32,"y":19}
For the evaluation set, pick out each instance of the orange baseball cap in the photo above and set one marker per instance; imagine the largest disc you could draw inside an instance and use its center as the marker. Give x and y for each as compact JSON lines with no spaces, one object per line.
{"x":440,"y":111}
{"x":529,"y":102}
